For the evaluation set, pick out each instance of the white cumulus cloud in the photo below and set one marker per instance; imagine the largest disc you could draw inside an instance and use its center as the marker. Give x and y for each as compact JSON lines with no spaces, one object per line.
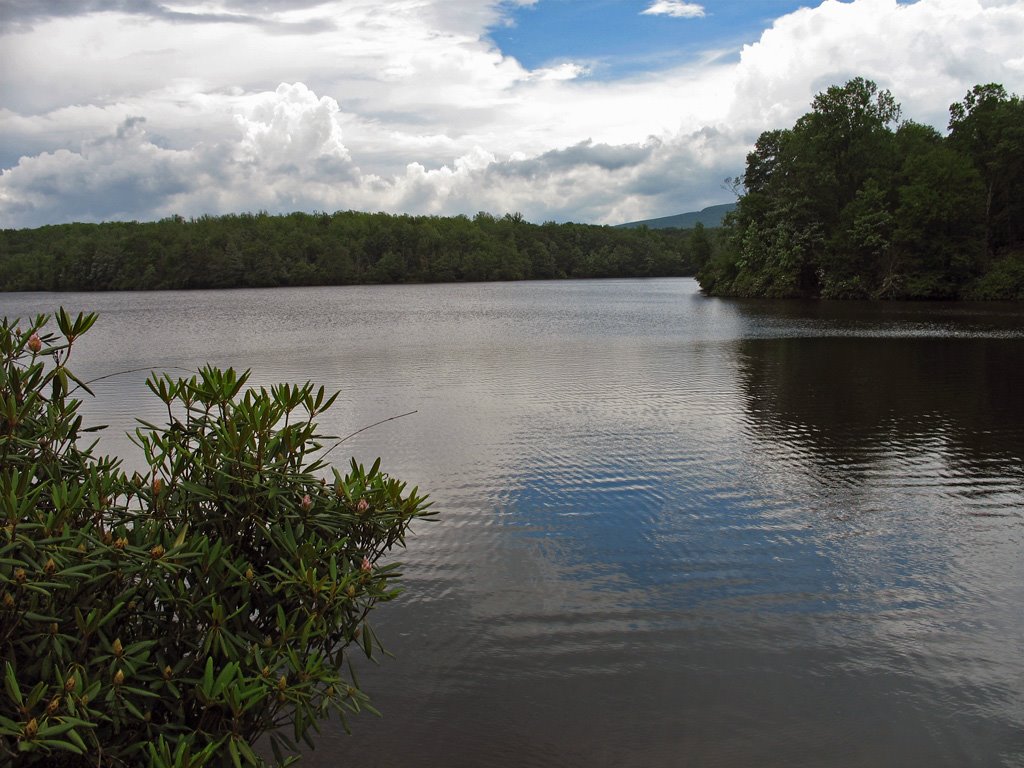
{"x":292,"y":129}
{"x":675,"y":8}
{"x":410,"y":107}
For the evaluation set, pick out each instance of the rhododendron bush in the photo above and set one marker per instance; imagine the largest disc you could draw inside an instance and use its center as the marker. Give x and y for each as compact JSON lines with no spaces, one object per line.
{"x":175,"y":618}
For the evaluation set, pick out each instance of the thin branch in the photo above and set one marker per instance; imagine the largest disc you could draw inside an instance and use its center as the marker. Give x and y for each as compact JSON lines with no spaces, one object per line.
{"x":121,"y":373}
{"x":369,"y":426}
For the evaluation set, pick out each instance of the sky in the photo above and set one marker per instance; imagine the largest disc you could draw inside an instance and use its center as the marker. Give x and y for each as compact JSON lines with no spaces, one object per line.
{"x":596,"y":111}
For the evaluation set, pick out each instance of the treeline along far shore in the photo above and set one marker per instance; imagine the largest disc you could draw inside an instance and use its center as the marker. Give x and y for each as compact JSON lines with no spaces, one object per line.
{"x":343,"y":248}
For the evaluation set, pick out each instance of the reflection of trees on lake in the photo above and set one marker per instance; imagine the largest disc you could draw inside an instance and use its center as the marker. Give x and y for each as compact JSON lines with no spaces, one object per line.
{"x":846,"y":401}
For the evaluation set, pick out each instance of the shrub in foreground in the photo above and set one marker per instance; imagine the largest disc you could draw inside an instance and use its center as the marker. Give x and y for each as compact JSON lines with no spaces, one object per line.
{"x":174,"y":619}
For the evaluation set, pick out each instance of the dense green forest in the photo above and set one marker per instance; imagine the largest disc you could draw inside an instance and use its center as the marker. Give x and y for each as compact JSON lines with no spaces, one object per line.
{"x":852,"y":202}
{"x":257,"y":250}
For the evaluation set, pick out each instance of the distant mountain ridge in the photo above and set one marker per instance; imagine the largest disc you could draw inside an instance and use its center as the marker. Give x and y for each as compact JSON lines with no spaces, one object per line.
{"x":710,"y":217}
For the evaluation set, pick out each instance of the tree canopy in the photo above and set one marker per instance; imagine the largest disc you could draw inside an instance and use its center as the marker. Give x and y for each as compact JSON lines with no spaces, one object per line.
{"x":852,"y":202}
{"x":343,"y":248}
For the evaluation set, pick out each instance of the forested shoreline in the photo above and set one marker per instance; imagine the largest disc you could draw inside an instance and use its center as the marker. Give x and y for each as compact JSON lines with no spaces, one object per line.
{"x":342,"y":248}
{"x":853,"y":203}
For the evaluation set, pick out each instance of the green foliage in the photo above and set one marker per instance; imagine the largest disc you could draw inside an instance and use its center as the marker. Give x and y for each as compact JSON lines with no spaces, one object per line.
{"x":1004,"y":281}
{"x":342,"y":248}
{"x":173,"y":619}
{"x":844,"y":206}
{"x":988,"y":128}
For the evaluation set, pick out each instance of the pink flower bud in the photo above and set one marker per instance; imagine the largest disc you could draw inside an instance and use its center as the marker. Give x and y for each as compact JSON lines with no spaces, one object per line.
{"x":365,"y":565}
{"x":307,"y":503}
{"x":362,"y":506}
{"x":34,"y":343}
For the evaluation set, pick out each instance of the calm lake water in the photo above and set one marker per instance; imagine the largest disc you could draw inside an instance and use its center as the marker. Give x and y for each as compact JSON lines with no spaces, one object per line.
{"x":674,"y":531}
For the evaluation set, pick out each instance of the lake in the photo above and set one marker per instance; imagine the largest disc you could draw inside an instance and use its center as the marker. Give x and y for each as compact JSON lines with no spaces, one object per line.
{"x":673,"y":530}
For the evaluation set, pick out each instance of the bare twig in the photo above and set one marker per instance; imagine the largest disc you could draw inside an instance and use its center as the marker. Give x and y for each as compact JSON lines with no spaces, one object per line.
{"x":363,"y":429}
{"x":121,"y":373}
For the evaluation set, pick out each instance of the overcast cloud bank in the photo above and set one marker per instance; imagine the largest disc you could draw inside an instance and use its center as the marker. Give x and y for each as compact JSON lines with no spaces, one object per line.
{"x":120,"y":111}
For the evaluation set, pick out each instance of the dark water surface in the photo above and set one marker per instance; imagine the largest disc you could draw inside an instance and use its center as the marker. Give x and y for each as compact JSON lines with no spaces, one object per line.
{"x":675,"y":531}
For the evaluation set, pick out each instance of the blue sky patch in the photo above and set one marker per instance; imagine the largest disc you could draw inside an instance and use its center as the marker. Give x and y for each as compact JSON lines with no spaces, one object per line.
{"x":617,"y":39}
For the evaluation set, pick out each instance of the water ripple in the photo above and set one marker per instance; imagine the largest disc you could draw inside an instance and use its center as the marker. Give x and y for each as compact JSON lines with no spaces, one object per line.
{"x":673,"y":530}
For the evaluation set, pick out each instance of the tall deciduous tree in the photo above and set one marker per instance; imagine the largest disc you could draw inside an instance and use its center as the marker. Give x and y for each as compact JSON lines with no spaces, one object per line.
{"x":841,"y":205}
{"x":988,"y":127}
